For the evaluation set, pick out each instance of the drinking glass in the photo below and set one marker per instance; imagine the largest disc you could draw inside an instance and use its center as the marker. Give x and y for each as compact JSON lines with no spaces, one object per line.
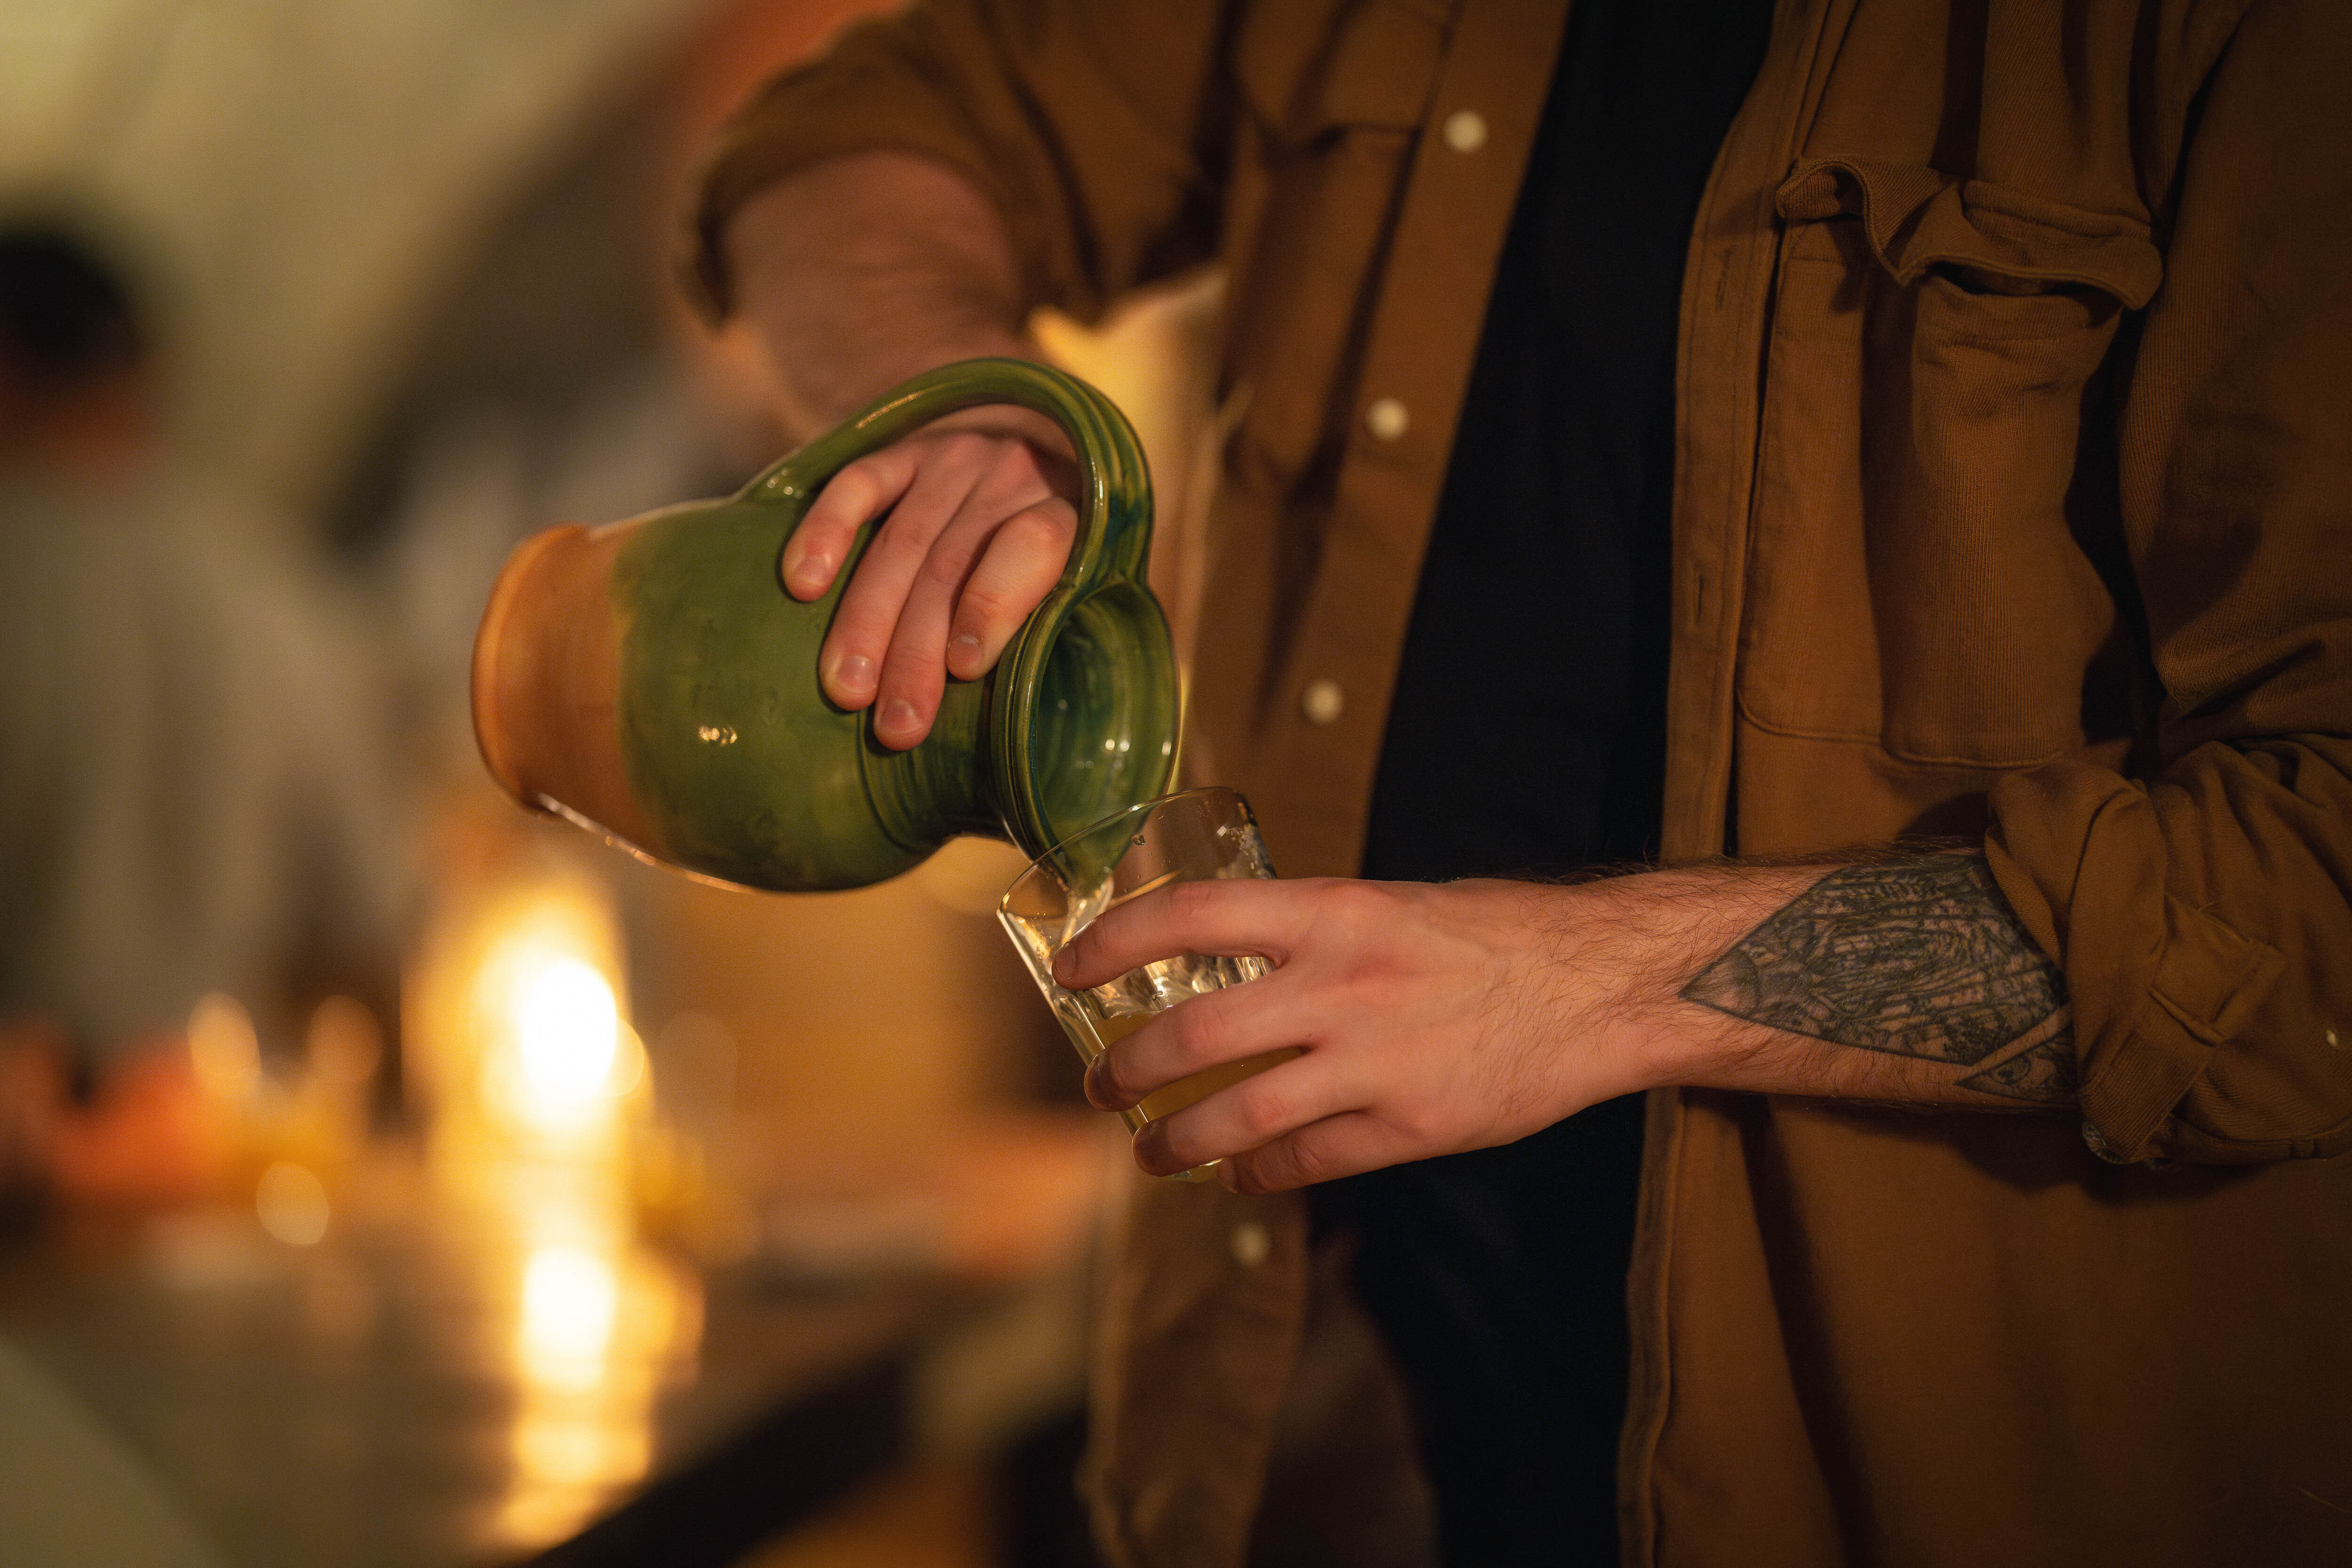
{"x":1197,"y":835}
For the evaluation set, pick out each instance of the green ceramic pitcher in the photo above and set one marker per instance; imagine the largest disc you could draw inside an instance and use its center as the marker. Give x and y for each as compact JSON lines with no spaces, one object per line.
{"x":653,"y":682}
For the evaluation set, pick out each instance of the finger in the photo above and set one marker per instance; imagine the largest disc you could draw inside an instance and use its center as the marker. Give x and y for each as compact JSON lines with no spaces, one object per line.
{"x":1347,"y":1144}
{"x":1018,"y":568}
{"x":1229,"y":916}
{"x":1244,"y":1116}
{"x":853,"y":498}
{"x":849,"y":664}
{"x":914,"y":671}
{"x":1200,"y":1032}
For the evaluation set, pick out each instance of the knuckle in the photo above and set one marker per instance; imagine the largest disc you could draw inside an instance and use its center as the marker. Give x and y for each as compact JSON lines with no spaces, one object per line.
{"x":1262,"y":1110}
{"x":983,"y":607}
{"x":851,"y":497}
{"x":1244,"y":1174}
{"x":1194,"y":1031}
{"x":1416,"y":1126}
{"x":1189,"y":901}
{"x":1292,"y":1162}
{"x":868,"y":610}
{"x":848,"y":488}
{"x":945,"y":567}
{"x":1357,"y":901}
{"x":904,"y":532}
{"x":1368,"y":983}
{"x":1412,"y":1126}
{"x":1008,"y":466}
{"x":915,"y":674}
{"x":967,"y":454}
{"x":1049,"y":523}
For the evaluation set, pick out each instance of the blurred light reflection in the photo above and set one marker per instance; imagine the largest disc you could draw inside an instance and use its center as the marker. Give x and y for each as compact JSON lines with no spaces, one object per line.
{"x":600,"y":1329}
{"x":292,"y":1204}
{"x":570,"y":1299}
{"x":541,"y":1105}
{"x":224,"y":1048}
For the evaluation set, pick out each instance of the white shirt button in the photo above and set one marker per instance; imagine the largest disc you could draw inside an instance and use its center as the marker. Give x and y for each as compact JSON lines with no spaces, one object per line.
{"x":1251,"y":1244}
{"x":1465,"y":131}
{"x":1322,"y":702}
{"x":1386,"y":419}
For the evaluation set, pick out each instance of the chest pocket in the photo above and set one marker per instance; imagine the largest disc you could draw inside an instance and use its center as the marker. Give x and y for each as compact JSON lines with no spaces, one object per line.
{"x":1336,"y":110}
{"x":1922,"y":572}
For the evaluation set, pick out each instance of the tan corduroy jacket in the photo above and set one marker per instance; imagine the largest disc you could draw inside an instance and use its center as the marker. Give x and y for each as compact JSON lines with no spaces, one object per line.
{"x":2013,"y":499}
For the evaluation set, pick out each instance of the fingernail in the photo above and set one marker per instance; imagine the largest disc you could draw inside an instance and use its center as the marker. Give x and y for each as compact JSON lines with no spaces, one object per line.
{"x":898,"y":718}
{"x":1151,"y":1147}
{"x":810,"y":572}
{"x":964,"y":654}
{"x":855,"y":676}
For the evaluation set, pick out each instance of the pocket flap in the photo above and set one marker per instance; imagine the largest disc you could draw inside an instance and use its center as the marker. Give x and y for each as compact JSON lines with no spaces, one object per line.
{"x":1376,"y":70}
{"x":1918,"y":218}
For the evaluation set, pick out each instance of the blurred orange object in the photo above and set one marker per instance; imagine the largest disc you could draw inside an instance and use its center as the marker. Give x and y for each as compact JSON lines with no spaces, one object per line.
{"x":150,"y":1136}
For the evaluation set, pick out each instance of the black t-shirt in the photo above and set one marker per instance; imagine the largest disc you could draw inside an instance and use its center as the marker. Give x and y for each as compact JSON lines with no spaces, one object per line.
{"x":1527,"y":735}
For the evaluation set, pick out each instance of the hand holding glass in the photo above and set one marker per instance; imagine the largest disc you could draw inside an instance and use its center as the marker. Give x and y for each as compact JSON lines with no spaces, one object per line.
{"x":1197,"y":835}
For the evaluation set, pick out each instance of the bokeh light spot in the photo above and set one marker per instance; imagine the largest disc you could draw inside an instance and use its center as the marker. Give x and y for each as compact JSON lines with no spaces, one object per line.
{"x":292,"y":1203}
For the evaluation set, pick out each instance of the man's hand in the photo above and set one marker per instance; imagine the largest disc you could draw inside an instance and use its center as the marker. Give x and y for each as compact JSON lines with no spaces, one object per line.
{"x":1434,"y":1019}
{"x":1439,"y":1019}
{"x":979,"y":522}
{"x":856,"y":273}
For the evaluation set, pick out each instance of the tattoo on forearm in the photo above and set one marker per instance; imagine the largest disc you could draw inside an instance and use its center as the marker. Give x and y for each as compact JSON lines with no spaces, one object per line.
{"x":1918,"y":959}
{"x":2041,"y":1071}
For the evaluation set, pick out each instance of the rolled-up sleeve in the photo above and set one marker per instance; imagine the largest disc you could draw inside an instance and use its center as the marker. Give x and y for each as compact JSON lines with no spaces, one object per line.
{"x":2203,"y":914}
{"x":1091,"y":128}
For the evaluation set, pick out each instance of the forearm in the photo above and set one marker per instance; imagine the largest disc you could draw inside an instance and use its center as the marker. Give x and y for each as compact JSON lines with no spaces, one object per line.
{"x":1903,"y":982}
{"x":1435,"y":1018}
{"x":861,"y":271}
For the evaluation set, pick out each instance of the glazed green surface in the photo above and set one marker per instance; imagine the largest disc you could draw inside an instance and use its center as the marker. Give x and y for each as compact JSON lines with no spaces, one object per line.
{"x":749,"y":774}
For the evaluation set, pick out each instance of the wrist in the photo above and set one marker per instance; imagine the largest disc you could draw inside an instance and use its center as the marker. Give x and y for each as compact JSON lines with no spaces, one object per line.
{"x":1627,"y":946}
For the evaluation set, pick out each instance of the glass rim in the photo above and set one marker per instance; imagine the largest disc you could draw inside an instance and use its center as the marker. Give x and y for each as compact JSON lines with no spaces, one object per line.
{"x":1041,"y":861}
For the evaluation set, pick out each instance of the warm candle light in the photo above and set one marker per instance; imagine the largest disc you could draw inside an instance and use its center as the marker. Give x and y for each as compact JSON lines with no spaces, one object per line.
{"x":567,"y":1029}
{"x":553,"y":1055}
{"x":570,"y":1298}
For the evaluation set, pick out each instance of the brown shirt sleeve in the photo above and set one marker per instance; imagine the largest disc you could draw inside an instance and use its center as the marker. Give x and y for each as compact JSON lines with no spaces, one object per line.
{"x":2201,"y":915}
{"x":1094,"y":128}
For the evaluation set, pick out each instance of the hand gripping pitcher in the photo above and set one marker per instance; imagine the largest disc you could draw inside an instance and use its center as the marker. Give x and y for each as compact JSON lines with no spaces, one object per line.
{"x":652,"y":680}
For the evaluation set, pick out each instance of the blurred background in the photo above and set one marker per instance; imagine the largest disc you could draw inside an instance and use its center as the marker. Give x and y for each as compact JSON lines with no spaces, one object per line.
{"x":388,"y":1177}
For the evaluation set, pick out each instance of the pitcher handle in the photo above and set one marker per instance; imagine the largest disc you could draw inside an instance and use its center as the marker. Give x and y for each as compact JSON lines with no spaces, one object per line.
{"x":1114,"y":536}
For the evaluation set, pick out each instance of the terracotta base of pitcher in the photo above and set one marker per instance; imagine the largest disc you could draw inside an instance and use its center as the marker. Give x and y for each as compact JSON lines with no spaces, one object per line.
{"x":546,"y":683}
